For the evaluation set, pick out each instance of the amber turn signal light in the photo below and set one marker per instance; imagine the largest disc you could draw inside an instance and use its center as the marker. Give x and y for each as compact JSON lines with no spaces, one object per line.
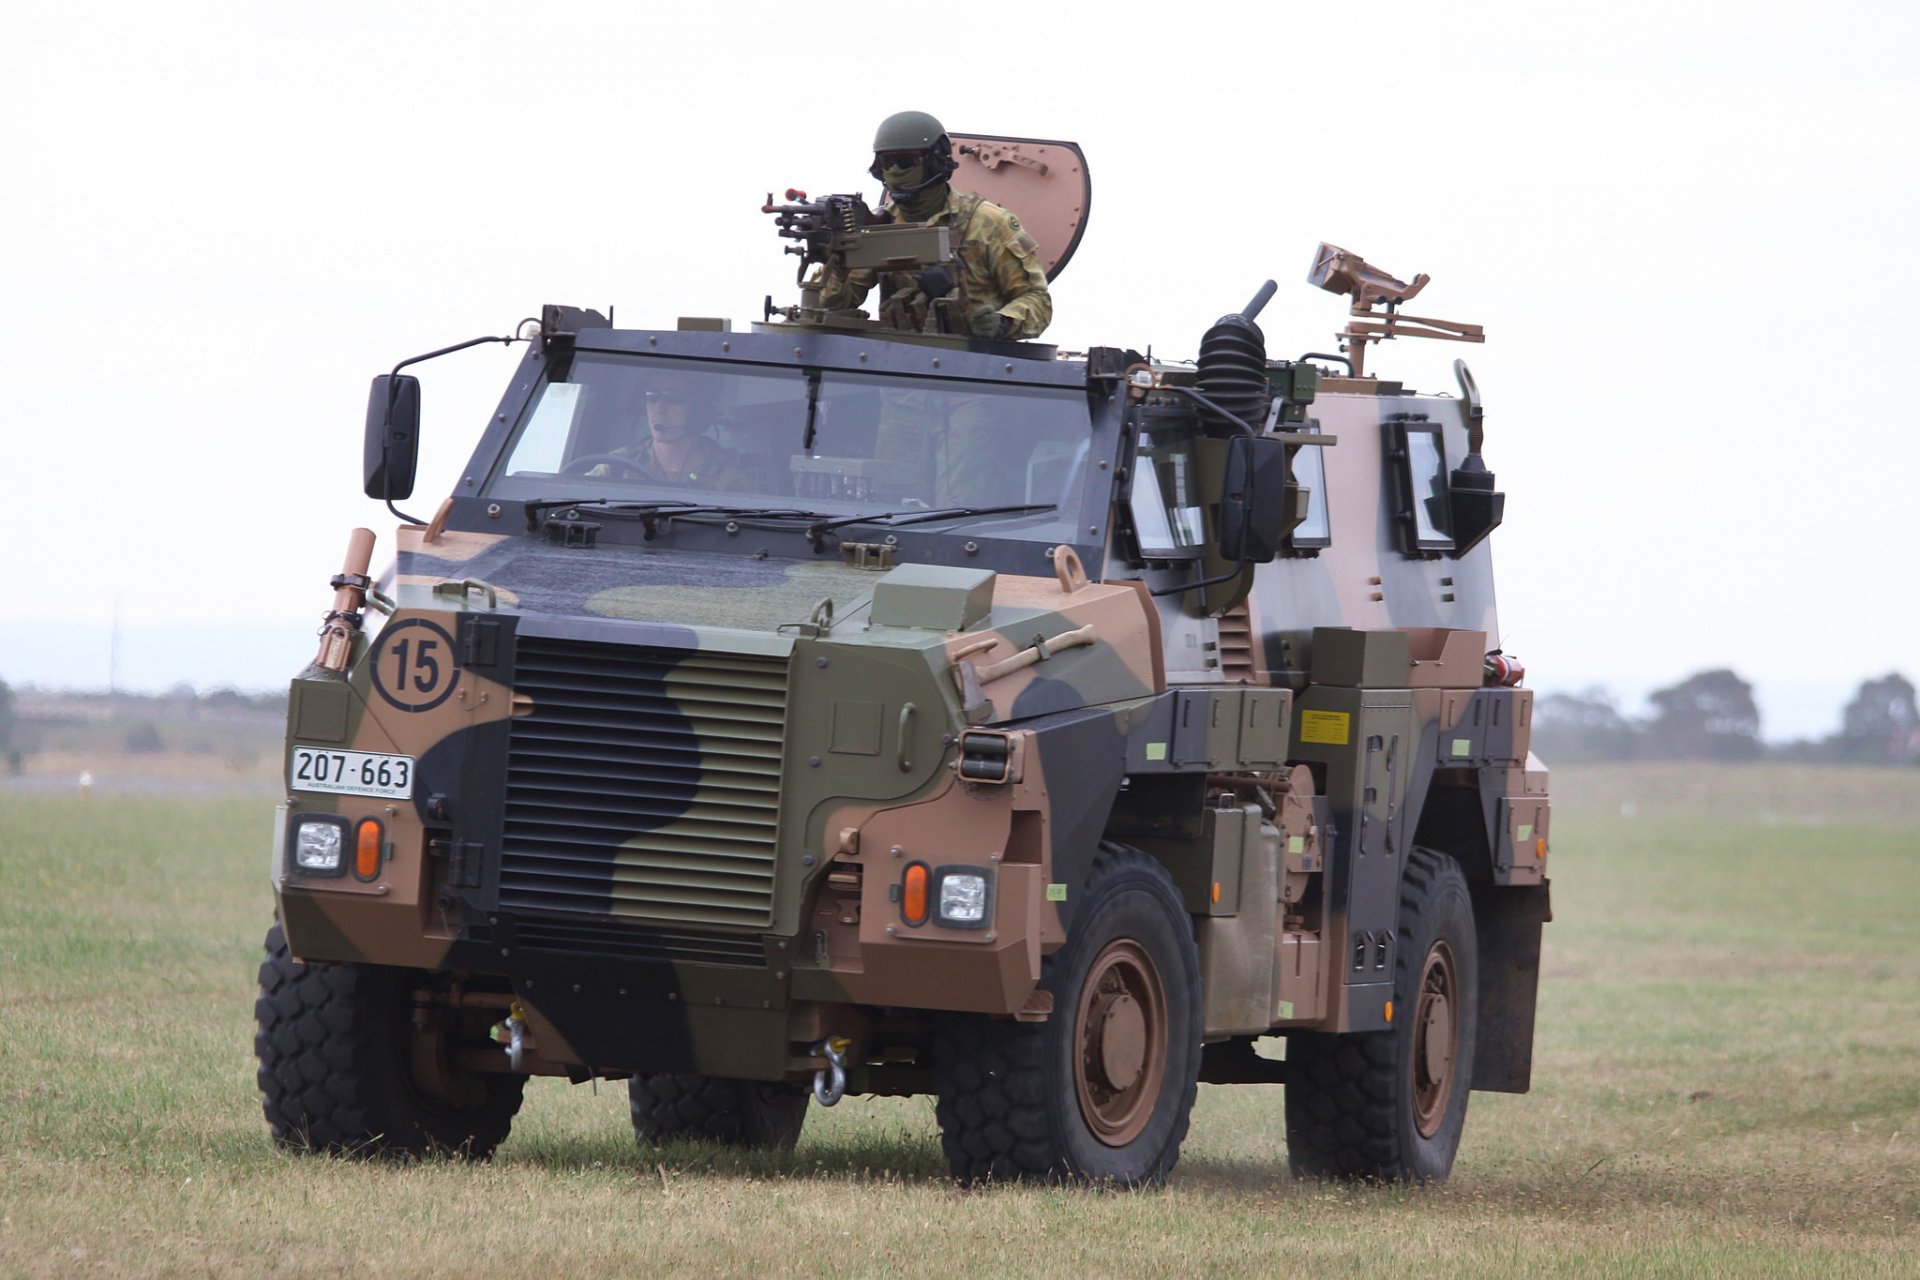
{"x":913,"y":893}
{"x":366,"y":849}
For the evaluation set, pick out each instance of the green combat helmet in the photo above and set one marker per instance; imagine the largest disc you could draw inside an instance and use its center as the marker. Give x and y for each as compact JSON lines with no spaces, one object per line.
{"x":914,"y":131}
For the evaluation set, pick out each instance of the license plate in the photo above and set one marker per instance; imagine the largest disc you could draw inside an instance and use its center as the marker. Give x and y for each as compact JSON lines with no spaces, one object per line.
{"x":351,"y":773}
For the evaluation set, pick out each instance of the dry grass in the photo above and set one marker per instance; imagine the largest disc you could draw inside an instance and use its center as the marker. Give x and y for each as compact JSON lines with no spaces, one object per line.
{"x":1726,"y":1083}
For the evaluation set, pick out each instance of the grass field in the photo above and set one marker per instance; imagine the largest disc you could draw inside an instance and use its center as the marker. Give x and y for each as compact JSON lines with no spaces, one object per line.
{"x":1727,"y":1081}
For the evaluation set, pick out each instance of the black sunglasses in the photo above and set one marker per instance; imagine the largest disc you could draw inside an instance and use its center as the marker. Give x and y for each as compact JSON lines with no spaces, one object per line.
{"x":667,"y":397}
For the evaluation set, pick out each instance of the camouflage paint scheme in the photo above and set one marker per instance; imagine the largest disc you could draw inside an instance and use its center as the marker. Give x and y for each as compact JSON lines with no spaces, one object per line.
{"x":665,"y":796}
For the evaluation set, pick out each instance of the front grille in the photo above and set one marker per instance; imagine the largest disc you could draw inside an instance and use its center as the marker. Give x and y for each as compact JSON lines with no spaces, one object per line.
{"x":628,"y":943}
{"x":645,"y":783}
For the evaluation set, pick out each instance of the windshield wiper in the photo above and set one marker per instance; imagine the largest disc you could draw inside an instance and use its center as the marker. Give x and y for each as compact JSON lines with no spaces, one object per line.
{"x":534,"y":510}
{"x":650,"y":514}
{"x":670,"y":508}
{"x":817,"y":533}
{"x":918,"y":516}
{"x":958,"y":513}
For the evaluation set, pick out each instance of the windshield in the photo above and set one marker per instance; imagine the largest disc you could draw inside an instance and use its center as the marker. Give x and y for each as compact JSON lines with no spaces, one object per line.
{"x":635,"y":429}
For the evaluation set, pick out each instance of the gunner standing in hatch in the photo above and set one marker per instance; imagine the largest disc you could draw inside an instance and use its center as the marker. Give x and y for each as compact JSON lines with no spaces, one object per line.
{"x":1002,"y":278}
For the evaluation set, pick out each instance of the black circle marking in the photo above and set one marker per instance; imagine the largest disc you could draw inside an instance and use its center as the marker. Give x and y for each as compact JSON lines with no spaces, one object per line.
{"x":413,"y":667}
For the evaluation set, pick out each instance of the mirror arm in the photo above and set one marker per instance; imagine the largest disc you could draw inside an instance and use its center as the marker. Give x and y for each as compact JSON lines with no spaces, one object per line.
{"x":446,"y":351}
{"x":1184,"y":587}
{"x":1210,"y":406}
{"x":402,"y":516}
{"x":393,"y":386}
{"x":393,"y":397}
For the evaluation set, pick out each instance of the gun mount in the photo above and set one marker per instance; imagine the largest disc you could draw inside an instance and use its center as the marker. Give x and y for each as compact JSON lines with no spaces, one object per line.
{"x":838,"y":234}
{"x":841,"y":231}
{"x":1339,"y":271}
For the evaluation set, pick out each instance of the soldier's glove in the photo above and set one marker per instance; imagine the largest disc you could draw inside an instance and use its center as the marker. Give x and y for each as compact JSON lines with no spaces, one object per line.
{"x":984,"y":322}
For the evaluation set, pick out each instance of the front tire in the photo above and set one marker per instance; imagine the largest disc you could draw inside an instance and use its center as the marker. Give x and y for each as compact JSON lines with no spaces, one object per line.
{"x":1390,"y":1105}
{"x":336,"y":1050}
{"x":685,"y":1106}
{"x":1102,"y":1090}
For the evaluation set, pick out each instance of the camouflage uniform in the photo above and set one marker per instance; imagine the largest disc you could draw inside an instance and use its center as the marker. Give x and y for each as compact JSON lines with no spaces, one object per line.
{"x":714,"y":467}
{"x":1000,"y":266}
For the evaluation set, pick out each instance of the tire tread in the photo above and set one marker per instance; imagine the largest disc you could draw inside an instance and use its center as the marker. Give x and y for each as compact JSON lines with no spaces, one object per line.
{"x":992,"y":1102}
{"x":326,"y":1075}
{"x":1343,"y":1101}
{"x":686,"y":1106}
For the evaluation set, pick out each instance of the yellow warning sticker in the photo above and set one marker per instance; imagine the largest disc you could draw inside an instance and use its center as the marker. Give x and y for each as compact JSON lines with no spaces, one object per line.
{"x":1326,"y":727}
{"x":1296,"y":844}
{"x":1283,"y":1009}
{"x":1056,"y":893}
{"x":1156,"y":751}
{"x":1463,"y":746}
{"x":1525,"y":833}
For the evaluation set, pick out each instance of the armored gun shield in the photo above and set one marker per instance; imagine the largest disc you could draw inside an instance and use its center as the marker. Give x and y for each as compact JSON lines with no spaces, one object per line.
{"x":1044,"y":182}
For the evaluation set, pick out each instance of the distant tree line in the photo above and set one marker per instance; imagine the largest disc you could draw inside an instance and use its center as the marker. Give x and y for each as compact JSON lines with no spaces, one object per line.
{"x":1708,"y":716}
{"x":224,"y":719}
{"x":9,"y":754}
{"x":1712,"y":716}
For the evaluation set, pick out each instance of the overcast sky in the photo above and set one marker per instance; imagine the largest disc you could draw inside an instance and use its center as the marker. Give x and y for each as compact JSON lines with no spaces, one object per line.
{"x":1688,"y":231}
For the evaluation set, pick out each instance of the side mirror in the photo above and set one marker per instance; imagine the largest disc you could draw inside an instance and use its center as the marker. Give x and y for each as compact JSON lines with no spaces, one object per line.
{"x":393,"y":436}
{"x":1254,"y":511}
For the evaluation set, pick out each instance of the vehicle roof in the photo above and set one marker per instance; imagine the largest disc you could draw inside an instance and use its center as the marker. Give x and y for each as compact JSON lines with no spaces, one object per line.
{"x":855,"y":353}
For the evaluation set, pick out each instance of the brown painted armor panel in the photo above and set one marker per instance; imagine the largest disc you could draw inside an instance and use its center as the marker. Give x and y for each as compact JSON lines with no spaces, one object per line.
{"x":1044,"y":183}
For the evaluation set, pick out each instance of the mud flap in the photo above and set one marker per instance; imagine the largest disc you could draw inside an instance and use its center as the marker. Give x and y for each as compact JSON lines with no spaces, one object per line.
{"x":1508,"y":924}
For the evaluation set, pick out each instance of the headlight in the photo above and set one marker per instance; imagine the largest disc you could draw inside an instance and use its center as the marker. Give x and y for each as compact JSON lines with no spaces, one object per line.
{"x":963,"y":898}
{"x":966,"y":897}
{"x":986,"y":755}
{"x":319,"y":845}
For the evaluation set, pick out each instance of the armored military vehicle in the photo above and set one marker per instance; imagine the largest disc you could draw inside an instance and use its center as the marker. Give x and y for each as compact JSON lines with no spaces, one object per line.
{"x":832,"y":708}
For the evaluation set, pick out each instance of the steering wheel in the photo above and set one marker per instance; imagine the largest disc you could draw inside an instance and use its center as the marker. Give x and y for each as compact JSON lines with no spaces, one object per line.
{"x":587,"y":462}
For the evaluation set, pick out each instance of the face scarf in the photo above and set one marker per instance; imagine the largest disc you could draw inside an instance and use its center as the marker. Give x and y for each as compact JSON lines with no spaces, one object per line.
{"x":916,"y":205}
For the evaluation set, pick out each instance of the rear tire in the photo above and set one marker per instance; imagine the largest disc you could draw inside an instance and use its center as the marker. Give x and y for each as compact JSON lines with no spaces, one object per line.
{"x":685,"y":1106}
{"x":335,"y":1045}
{"x":1390,"y":1105}
{"x":1102,"y":1090}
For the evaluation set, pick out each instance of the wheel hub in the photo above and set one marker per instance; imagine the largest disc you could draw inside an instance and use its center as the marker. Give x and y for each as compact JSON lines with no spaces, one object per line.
{"x":1435,"y":1030}
{"x":1123,"y":1042}
{"x":1120,"y":1038}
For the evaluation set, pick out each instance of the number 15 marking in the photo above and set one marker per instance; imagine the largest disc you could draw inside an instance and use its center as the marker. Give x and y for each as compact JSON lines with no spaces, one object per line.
{"x":413,"y":668}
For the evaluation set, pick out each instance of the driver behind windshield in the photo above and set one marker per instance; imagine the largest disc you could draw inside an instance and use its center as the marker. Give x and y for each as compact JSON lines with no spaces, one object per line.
{"x":677,"y":450}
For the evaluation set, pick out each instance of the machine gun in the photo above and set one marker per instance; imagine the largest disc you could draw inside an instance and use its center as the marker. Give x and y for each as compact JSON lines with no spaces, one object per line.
{"x":840,"y":233}
{"x":825,"y":228}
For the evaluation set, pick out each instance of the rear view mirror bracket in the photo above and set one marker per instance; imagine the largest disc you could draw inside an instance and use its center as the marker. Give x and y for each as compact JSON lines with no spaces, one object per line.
{"x":392,"y":447}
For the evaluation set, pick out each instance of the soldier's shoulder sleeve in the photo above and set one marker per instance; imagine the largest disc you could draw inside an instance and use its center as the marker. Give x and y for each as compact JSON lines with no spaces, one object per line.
{"x":992,"y":223}
{"x":1022,"y":278}
{"x":1001,"y":228}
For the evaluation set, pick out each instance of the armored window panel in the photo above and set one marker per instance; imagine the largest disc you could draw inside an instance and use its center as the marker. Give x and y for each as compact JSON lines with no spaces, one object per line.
{"x":1417,"y":479}
{"x":1310,"y":475}
{"x":1165,"y":500}
{"x":543,"y":444}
